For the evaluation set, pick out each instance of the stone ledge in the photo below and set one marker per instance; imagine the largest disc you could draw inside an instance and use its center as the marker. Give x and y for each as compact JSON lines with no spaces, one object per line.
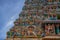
{"x":51,"y":38}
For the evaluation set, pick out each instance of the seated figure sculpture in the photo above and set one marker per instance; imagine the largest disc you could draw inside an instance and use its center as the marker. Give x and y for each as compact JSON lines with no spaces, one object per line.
{"x":31,"y":31}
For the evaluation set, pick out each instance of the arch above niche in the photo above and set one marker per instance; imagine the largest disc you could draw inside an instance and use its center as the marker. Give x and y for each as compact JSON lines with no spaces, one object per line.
{"x":32,"y":26}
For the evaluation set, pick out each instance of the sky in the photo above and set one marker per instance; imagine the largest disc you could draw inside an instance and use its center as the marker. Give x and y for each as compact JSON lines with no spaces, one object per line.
{"x":9,"y":12}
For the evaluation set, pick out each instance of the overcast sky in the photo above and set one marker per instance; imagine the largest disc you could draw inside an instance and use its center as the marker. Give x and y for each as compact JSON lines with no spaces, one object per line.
{"x":9,"y":11}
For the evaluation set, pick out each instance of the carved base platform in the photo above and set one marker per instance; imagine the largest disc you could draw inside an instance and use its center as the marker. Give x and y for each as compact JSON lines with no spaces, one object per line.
{"x":35,"y":38}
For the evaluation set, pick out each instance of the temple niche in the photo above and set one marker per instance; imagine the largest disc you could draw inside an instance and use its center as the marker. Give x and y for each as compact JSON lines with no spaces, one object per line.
{"x":38,"y":19}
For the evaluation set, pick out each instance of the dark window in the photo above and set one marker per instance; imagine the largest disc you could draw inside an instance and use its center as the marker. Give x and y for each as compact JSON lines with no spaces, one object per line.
{"x":59,"y":0}
{"x":53,"y":0}
{"x":59,"y":28}
{"x":58,"y":6}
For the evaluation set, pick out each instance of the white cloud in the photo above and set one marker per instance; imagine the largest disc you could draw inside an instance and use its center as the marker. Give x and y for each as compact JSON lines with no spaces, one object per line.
{"x":8,"y":25}
{"x":10,"y":9}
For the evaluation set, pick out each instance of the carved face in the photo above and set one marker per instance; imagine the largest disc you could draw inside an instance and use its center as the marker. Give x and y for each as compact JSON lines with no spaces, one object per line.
{"x":23,"y":32}
{"x":39,"y":32}
{"x":57,"y":25}
{"x":54,"y":15}
{"x":31,"y":28}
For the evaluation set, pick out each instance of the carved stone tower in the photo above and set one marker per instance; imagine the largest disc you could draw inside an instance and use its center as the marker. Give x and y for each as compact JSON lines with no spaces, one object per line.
{"x":37,"y":19}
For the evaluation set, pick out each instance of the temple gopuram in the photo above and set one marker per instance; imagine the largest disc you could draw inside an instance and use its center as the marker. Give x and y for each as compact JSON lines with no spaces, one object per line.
{"x":37,"y":20}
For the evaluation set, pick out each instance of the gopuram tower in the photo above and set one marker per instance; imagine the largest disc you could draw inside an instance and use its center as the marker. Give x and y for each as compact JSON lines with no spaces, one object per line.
{"x":38,"y":18}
